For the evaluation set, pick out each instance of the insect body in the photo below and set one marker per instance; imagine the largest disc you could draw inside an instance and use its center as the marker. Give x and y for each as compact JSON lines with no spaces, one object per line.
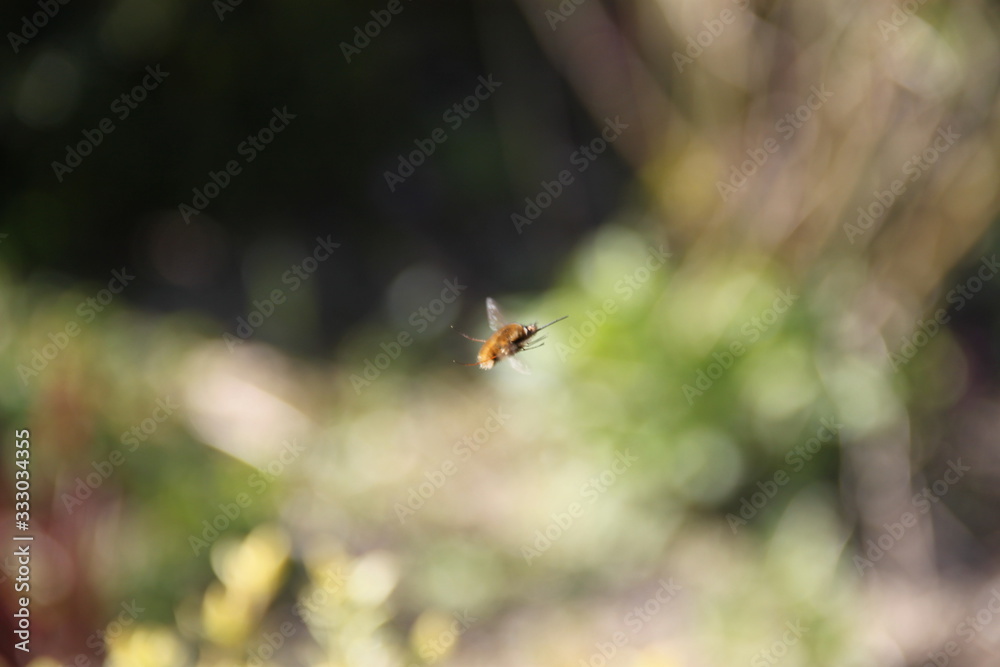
{"x":507,"y":341}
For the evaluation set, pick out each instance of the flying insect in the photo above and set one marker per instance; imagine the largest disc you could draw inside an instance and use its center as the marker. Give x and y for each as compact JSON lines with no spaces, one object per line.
{"x":507,"y":340}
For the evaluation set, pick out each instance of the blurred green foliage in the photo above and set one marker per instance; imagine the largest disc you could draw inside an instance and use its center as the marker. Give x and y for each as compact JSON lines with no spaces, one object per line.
{"x":717,"y":433}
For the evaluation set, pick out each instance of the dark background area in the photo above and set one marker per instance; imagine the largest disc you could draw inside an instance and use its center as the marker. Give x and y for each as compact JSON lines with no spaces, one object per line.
{"x":658,"y":270}
{"x":323,"y":175}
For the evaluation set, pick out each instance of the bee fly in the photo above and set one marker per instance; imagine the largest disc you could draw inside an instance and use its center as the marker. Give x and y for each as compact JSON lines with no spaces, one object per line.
{"x":508,"y":340}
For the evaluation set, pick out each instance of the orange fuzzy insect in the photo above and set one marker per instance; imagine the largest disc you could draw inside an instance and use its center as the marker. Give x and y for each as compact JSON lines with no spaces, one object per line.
{"x":508,"y":340}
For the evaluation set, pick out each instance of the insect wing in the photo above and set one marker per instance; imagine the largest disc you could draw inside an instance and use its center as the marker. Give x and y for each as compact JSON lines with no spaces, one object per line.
{"x":496,"y":318}
{"x":518,"y":365}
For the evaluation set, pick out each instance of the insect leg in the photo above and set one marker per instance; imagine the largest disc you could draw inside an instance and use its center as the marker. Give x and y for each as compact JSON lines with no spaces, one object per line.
{"x":478,"y":340}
